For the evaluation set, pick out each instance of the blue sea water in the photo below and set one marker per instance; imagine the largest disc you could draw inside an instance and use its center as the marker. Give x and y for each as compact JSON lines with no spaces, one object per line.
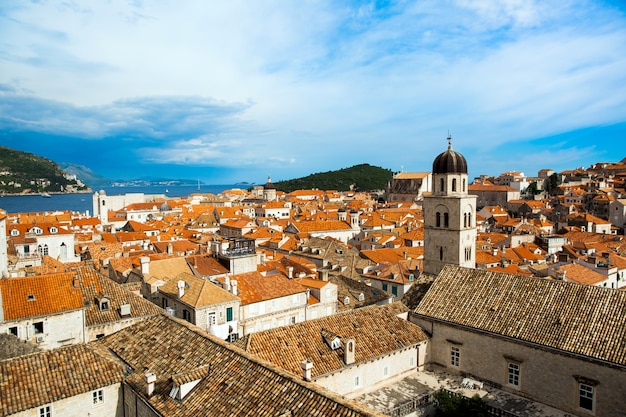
{"x":82,"y":203}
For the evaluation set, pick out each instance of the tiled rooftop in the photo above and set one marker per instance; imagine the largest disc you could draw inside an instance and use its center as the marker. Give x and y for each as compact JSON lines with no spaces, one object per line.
{"x":44,"y":377}
{"x":35,"y":296}
{"x":236,"y":383}
{"x":376,"y":331}
{"x":575,"y":318}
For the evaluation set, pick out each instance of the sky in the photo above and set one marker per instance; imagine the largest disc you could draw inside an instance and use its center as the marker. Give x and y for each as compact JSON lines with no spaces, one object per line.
{"x":243,"y":90}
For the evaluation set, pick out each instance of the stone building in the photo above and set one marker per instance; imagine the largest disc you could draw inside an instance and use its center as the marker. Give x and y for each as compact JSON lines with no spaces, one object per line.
{"x":449,"y":215}
{"x":554,"y":342}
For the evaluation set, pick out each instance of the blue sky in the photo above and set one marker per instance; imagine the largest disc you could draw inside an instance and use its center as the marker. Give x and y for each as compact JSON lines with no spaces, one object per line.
{"x":239,"y":90}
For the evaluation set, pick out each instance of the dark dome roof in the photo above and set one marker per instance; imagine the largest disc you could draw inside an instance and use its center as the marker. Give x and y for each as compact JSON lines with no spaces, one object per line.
{"x":450,"y":162}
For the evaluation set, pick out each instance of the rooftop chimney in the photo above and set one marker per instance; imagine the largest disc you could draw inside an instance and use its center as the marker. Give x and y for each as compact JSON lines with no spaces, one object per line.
{"x":181,"y":288}
{"x":306,"y":366}
{"x":233,"y":286}
{"x":227,"y":283}
{"x":145,"y":265}
{"x":150,"y":379}
{"x":170,"y":249}
{"x":290,"y":272}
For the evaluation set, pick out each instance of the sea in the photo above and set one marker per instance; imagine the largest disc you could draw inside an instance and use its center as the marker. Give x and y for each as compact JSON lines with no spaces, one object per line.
{"x":83,"y":202}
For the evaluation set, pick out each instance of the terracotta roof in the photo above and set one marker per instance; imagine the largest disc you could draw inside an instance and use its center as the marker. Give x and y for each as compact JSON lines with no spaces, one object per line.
{"x":45,"y":377}
{"x":580,"y":319}
{"x":581,"y":274}
{"x":42,"y":295}
{"x":237,"y":383}
{"x":254,"y":287}
{"x":376,"y":331}
{"x":93,"y":288}
{"x":198,"y":292}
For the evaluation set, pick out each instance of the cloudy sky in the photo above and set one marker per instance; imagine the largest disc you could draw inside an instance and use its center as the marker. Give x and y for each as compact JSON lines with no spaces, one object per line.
{"x":229,"y":91}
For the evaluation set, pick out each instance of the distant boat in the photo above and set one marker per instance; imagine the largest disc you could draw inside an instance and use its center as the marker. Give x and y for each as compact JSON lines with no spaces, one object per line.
{"x":167,"y":191}
{"x":46,"y":195}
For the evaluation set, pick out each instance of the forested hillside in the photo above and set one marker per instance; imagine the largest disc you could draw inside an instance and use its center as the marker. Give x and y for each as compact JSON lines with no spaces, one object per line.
{"x":362,"y":177}
{"x":23,"y":172}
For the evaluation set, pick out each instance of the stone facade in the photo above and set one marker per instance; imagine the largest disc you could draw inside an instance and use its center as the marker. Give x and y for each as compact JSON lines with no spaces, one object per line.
{"x":544,"y":375}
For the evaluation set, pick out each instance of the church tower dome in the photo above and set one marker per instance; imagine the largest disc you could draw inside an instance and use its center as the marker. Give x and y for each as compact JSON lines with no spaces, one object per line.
{"x":450,"y":162}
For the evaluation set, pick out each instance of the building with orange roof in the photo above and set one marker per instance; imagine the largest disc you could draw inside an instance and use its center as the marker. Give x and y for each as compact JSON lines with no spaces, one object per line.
{"x":4,"y":255}
{"x":493,"y":195}
{"x":267,"y":300}
{"x":203,"y":303}
{"x":31,"y":241}
{"x":395,"y":277}
{"x":47,"y":310}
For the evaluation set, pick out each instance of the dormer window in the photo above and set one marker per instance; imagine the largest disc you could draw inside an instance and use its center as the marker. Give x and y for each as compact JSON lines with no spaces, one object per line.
{"x":53,"y":230}
{"x":36,"y":230}
{"x":15,"y":232}
{"x":104,"y":303}
{"x":30,"y":297}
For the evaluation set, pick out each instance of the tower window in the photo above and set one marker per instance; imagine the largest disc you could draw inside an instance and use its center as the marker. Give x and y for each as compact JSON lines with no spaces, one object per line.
{"x":442,"y":187}
{"x":463,"y":182}
{"x":453,"y":184}
{"x":438,"y":216}
{"x":441,"y":253}
{"x":446,"y":222}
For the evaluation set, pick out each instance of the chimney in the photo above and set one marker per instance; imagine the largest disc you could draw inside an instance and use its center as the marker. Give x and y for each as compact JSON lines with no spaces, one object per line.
{"x":494,"y":251}
{"x":227,"y":283}
{"x":170,"y":249}
{"x":290,"y":272}
{"x":348,"y":352}
{"x":233,"y":285}
{"x":306,"y":366}
{"x":181,"y":288}
{"x":323,"y":275}
{"x":150,"y":379}
{"x":145,"y":265}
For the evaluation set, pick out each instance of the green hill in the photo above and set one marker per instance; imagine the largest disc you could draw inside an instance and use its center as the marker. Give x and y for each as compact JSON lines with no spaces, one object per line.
{"x":23,"y":172}
{"x":362,"y":177}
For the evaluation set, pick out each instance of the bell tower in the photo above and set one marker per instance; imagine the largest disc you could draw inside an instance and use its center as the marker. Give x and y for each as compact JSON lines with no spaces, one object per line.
{"x":449,"y":215}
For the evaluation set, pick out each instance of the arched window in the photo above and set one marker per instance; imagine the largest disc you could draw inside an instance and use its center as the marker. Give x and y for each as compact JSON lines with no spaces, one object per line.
{"x":63,"y":251}
{"x":43,"y":250}
{"x":442,"y":185}
{"x":463,"y":185}
{"x":453,"y":184}
{"x":438,"y":221}
{"x":446,"y":222}
{"x":441,"y":253}
{"x":464,"y":219}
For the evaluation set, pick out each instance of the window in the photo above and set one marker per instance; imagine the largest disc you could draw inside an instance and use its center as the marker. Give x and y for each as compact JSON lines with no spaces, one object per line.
{"x":441,"y":185}
{"x":513,"y":370}
{"x":386,"y":371}
{"x":357,"y":381}
{"x":455,"y":356}
{"x":441,"y":253}
{"x":13,"y":330}
{"x":38,"y":327}
{"x":186,"y":315}
{"x":45,"y":411}
{"x":384,"y":286}
{"x":438,"y":220}
{"x":293,"y":320}
{"x":446,"y":220}
{"x":98,"y":397}
{"x":394,"y":290}
{"x":229,"y":314}
{"x":585,"y":396}
{"x":453,"y":184}
{"x":43,"y":250}
{"x":212,"y":319}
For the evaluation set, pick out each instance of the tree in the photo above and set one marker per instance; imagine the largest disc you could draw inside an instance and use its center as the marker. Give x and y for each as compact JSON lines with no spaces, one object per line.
{"x":449,"y":405}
